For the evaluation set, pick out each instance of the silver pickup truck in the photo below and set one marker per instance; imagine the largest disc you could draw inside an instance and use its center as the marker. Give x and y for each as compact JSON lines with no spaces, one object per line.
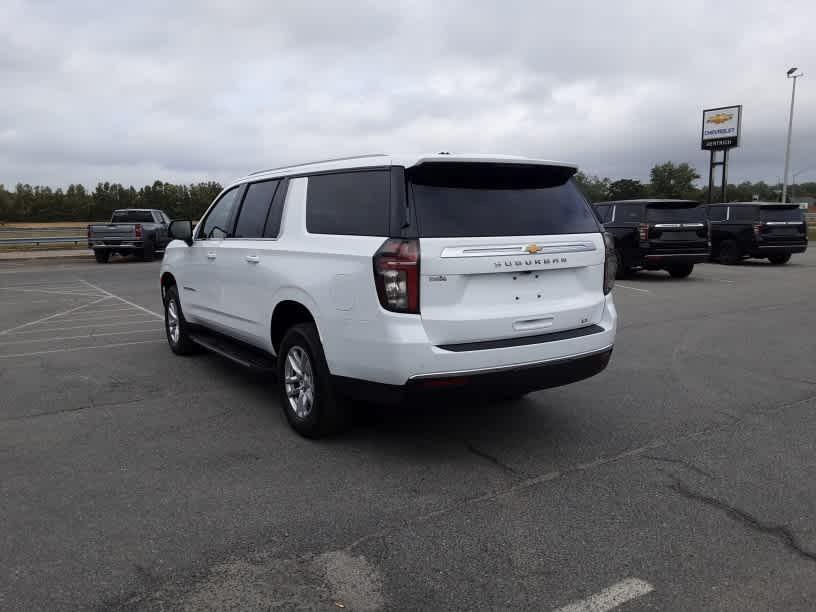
{"x":140,"y":231}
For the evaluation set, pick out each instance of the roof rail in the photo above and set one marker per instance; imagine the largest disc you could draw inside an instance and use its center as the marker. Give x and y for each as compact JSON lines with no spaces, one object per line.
{"x":320,"y":161}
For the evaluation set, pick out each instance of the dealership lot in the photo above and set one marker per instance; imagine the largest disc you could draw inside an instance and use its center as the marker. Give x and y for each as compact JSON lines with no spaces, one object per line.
{"x":682,"y":477}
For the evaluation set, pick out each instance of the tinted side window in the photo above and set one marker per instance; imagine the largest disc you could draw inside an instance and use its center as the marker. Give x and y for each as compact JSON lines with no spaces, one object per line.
{"x":743,"y":214}
{"x":254,"y":210}
{"x":351,"y":204}
{"x":604,"y":213}
{"x":273,"y":221}
{"x":628,"y":213}
{"x":717,"y":213}
{"x":215,"y":225}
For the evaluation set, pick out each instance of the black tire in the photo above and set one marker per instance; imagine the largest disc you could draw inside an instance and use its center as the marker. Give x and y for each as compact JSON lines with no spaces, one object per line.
{"x":779,"y":260}
{"x":182,"y":344}
{"x":730,"y":253}
{"x":327,"y":414}
{"x":680,"y":270}
{"x":148,"y":252}
{"x":621,"y":270}
{"x":102,"y":255}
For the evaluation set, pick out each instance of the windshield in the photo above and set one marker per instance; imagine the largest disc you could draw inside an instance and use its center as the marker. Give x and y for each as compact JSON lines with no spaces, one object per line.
{"x":474,"y":200}
{"x":132,"y":216}
{"x":781,"y":214}
{"x":693,"y":213}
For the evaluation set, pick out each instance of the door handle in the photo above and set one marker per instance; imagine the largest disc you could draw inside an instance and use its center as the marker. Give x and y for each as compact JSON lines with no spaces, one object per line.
{"x":253,"y":259}
{"x":211,"y":255}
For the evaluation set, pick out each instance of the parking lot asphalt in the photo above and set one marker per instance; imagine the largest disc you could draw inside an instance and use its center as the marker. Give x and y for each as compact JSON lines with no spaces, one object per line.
{"x":683,"y":477}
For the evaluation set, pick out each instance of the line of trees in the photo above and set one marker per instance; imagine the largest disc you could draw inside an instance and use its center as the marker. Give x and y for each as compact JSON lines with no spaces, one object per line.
{"x":76,"y":203}
{"x":670,"y":180}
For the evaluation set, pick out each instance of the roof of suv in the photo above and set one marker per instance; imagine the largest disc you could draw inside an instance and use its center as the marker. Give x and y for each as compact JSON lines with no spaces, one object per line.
{"x":650,"y":201}
{"x":761,"y":204}
{"x":406,"y":160}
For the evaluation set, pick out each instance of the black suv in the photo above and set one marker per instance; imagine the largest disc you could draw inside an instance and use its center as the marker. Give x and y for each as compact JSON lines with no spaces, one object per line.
{"x":769,"y":230}
{"x":653,"y":234}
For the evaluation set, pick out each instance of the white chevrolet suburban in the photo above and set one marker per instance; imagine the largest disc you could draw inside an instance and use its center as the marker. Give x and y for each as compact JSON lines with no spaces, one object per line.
{"x":379,"y":277}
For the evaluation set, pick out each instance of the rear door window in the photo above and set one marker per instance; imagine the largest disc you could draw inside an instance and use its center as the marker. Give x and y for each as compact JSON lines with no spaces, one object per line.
{"x":349,"y":203}
{"x":255,"y":209}
{"x":628,"y":213}
{"x":693,"y":213}
{"x":781,"y":214}
{"x":273,"y":221}
{"x":132,"y":216}
{"x":604,"y":213}
{"x":717,"y":213}
{"x":456,"y":200}
{"x":743,"y":214}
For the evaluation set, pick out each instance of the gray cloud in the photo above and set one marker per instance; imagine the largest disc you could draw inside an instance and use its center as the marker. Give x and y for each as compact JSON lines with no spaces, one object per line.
{"x":210,"y":90}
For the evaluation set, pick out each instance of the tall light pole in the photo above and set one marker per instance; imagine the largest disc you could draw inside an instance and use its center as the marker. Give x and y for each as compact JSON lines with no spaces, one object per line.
{"x":792,"y":74}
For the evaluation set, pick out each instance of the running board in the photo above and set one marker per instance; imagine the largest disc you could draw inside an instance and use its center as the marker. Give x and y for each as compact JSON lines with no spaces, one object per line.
{"x":238,"y":352}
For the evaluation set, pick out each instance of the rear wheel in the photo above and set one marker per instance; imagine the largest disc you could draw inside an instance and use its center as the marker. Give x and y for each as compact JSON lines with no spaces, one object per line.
{"x":175,"y":326}
{"x":730,"y":253}
{"x":621,"y":271}
{"x":306,"y":391}
{"x":148,"y":251}
{"x":680,"y":270}
{"x":102,"y":255}
{"x":778,"y":260}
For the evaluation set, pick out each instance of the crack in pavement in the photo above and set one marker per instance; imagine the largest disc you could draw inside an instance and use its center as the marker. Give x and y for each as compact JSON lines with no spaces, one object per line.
{"x":780,"y":532}
{"x":687,"y":464}
{"x":491,"y":458}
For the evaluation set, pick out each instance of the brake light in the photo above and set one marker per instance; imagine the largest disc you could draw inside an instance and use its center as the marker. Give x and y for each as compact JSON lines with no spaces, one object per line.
{"x":138,"y":230}
{"x":396,"y":275}
{"x":89,"y":233}
{"x":610,"y":263}
{"x":758,"y":230}
{"x":643,"y":231}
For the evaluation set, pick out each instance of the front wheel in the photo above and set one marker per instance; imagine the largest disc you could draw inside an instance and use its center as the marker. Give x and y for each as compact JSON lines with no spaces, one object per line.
{"x":778,"y":260}
{"x":730,"y":253}
{"x":680,"y":270}
{"x":175,"y":326}
{"x":306,"y":391}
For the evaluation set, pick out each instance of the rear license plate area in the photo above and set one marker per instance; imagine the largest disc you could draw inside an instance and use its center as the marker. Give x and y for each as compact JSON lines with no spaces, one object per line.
{"x":679,"y":236}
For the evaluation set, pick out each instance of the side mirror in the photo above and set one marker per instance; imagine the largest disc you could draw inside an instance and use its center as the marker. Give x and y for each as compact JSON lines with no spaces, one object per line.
{"x":181,"y":230}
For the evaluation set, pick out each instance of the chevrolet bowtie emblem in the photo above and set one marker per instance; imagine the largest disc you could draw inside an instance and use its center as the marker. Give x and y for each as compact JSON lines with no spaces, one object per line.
{"x":532,"y":248}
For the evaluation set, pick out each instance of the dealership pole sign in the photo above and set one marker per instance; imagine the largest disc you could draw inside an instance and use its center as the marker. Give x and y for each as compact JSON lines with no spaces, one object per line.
{"x":721,"y":132}
{"x":721,"y":127}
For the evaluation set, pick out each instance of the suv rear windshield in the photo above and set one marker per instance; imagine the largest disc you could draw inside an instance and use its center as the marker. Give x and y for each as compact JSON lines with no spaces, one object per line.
{"x":691,"y":213}
{"x":456,"y":200}
{"x":781,"y":214}
{"x":132,"y":216}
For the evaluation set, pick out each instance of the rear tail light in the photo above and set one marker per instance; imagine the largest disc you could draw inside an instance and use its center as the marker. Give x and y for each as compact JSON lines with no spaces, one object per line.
{"x":757,"y":230}
{"x":89,"y":233}
{"x":643,"y":231}
{"x":610,"y":264}
{"x":396,"y":275}
{"x":138,"y":229}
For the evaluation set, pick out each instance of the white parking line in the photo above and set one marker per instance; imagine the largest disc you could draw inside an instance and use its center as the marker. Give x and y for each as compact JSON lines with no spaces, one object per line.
{"x":84,"y":293}
{"x":92,"y":325}
{"x":106,"y":292}
{"x":80,"y":348}
{"x":632,"y":288}
{"x":114,"y":316}
{"x":612,"y":597}
{"x":89,"y":336}
{"x":53,"y":316}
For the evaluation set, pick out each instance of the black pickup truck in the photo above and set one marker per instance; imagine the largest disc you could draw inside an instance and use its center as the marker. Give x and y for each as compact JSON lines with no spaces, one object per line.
{"x":769,"y":230}
{"x":655,"y":234}
{"x":141,"y":231}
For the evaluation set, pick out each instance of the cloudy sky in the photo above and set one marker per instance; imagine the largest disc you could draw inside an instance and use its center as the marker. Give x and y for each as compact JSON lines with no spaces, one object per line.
{"x":186,"y":91}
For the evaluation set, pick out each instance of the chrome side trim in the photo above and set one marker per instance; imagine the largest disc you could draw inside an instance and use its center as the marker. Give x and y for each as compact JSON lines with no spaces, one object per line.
{"x":517,"y":249}
{"x":783,"y":223}
{"x":505,"y":368}
{"x":678,"y":225}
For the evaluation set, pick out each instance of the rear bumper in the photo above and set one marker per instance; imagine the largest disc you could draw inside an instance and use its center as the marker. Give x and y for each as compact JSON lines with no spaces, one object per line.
{"x":126,"y":244}
{"x":522,"y":378}
{"x":676,"y":258}
{"x":763,"y":250}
